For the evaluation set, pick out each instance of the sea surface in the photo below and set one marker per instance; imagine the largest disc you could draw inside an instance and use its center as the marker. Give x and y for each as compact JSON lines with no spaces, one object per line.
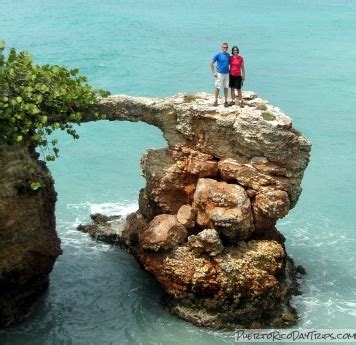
{"x":300,"y":55}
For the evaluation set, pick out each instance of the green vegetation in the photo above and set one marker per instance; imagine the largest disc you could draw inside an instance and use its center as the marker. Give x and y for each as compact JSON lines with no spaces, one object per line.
{"x":261,"y":106}
{"x":189,"y":98}
{"x":268,"y":116}
{"x":35,"y":100}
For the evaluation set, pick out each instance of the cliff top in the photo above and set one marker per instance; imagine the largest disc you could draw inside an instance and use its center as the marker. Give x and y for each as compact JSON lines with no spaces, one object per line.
{"x":258,"y":130}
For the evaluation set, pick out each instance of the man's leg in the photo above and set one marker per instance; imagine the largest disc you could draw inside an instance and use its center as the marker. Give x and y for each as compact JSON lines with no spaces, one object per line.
{"x":216,"y":94}
{"x":226,"y":93}
{"x":226,"y":87}
{"x":218,"y":82}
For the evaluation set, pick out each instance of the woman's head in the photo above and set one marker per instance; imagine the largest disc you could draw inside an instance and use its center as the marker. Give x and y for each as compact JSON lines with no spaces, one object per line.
{"x":235,"y":49}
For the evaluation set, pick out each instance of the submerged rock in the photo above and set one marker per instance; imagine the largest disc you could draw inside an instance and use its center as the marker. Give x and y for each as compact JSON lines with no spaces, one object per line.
{"x":104,"y":228}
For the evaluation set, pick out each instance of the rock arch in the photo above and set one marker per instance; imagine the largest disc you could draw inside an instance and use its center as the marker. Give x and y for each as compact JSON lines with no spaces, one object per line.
{"x":206,"y":223}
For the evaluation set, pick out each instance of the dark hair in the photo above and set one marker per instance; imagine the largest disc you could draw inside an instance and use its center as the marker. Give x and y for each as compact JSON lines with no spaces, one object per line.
{"x":235,"y":47}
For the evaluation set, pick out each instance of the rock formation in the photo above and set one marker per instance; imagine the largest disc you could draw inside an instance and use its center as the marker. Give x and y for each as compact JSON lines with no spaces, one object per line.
{"x":205,"y":227}
{"x":29,"y":244}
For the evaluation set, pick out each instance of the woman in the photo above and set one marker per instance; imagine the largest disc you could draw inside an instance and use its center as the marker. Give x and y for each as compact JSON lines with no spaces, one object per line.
{"x":237,"y":75}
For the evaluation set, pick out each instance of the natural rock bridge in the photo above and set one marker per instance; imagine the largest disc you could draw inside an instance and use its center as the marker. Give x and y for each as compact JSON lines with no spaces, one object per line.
{"x":205,"y":227}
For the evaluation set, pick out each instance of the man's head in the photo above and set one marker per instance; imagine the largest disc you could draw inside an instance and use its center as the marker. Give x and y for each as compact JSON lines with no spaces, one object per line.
{"x":224,"y":47}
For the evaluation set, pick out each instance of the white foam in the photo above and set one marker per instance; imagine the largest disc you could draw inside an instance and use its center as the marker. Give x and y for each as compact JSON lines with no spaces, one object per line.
{"x":110,"y":208}
{"x":83,"y":210}
{"x":78,"y":243}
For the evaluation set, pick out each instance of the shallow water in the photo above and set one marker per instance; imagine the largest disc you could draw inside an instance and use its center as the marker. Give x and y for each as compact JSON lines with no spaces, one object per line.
{"x":300,"y":55}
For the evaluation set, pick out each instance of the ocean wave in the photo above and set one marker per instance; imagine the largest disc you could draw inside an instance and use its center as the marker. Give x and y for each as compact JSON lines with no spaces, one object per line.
{"x":76,"y":242}
{"x":110,"y":208}
{"x":83,"y":210}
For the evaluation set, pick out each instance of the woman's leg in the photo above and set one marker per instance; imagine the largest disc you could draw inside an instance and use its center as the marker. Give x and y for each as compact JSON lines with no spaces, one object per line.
{"x":233,"y":95}
{"x":239,"y":95}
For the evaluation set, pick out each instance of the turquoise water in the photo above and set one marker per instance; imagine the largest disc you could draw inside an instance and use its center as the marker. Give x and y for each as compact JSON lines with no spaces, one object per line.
{"x":299,"y":54}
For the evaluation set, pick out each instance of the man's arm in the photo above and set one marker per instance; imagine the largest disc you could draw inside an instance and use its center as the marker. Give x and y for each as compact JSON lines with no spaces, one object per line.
{"x":212,"y":66}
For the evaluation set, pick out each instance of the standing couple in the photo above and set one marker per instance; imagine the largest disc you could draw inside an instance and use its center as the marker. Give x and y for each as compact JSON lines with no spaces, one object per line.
{"x":230,"y":72}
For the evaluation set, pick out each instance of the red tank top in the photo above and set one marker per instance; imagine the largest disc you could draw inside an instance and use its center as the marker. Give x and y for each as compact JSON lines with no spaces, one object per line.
{"x":235,"y":65}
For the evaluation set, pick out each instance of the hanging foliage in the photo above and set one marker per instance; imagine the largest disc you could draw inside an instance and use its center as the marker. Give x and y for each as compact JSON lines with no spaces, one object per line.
{"x":35,"y":100}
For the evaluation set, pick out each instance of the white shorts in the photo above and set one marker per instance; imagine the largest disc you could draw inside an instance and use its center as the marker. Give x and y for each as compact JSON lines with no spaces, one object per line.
{"x":222,"y":80}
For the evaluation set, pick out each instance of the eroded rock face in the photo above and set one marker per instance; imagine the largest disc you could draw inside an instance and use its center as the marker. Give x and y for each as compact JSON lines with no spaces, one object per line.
{"x":205,"y":227}
{"x":29,"y":244}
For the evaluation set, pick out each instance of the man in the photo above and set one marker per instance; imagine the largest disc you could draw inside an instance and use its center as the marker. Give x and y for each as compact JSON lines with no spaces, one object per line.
{"x":221,"y":73}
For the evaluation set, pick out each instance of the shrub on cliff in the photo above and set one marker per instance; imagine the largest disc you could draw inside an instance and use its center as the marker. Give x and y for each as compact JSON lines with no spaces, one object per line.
{"x":35,"y":100}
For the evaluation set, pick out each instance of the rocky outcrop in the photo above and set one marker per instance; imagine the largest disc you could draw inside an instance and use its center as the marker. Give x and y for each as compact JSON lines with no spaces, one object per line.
{"x":29,"y":244}
{"x":104,"y":228}
{"x":205,"y":227}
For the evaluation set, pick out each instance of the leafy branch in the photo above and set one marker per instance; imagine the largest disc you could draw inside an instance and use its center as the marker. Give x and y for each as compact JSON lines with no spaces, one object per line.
{"x":35,"y":100}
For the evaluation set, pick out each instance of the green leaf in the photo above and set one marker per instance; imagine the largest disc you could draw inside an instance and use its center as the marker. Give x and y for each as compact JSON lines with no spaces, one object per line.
{"x":74,"y":71}
{"x":37,"y":185}
{"x":56,"y":150}
{"x":50,"y":158}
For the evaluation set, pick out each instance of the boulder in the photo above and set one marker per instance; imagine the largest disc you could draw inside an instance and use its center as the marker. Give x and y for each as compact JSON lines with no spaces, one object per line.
{"x":186,"y":216}
{"x":206,"y":241}
{"x":164,"y":232}
{"x":225,"y":207}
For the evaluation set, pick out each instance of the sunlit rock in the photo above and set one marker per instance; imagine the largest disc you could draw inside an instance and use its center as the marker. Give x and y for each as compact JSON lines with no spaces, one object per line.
{"x":227,"y":175}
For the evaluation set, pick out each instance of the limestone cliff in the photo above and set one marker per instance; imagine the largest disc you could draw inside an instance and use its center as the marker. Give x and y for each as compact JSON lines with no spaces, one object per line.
{"x":205,"y":227}
{"x":29,"y":244}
